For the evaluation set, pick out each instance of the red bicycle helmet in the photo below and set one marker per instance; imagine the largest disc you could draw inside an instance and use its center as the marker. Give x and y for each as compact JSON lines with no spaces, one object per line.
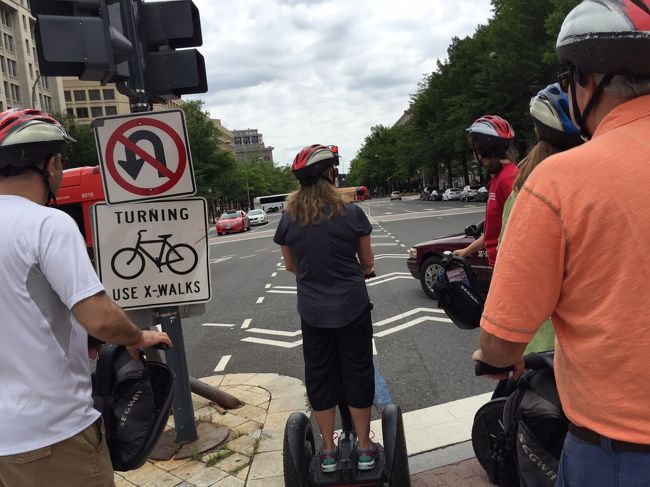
{"x":607,"y":36}
{"x":310,"y":163}
{"x":28,"y":136}
{"x":492,"y":126}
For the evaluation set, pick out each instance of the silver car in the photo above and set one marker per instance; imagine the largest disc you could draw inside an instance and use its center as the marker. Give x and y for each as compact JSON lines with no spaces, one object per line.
{"x":258,"y":217}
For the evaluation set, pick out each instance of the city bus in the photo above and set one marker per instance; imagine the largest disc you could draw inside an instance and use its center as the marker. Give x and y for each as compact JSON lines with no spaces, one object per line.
{"x":274,"y":202}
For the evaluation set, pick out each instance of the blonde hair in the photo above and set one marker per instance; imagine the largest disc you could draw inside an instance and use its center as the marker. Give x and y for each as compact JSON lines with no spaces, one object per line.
{"x":540,"y":151}
{"x":306,"y":206}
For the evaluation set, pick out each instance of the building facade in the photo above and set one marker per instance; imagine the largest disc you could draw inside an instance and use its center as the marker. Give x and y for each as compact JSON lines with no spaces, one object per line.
{"x":249,"y":145}
{"x":22,"y":85}
{"x":89,"y":99}
{"x":226,"y":137}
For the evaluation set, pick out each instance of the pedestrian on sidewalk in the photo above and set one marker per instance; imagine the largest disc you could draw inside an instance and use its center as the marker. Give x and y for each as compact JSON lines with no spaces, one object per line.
{"x":326,"y":243}
{"x":573,"y":250}
{"x":490,"y":138}
{"x":51,"y":299}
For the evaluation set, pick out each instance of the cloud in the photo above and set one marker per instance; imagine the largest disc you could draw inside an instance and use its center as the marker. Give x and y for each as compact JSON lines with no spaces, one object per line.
{"x":323,"y":71}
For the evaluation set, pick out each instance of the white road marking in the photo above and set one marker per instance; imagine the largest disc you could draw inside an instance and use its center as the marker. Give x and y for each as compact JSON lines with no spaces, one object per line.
{"x":274,"y":251}
{"x":274,"y":343}
{"x":437,"y":426}
{"x":388,"y":244}
{"x":411,"y":323}
{"x":222,"y":363}
{"x":374,"y":347}
{"x":260,"y":250}
{"x":425,"y":214}
{"x":396,"y":240}
{"x":285,"y":287}
{"x":388,"y":280}
{"x":407,"y":314}
{"x":268,"y":286}
{"x":272,"y":291}
{"x":389,"y":234}
{"x":224,"y":325}
{"x":402,"y":245}
{"x":391,"y":256}
{"x":379,"y":236}
{"x":221,"y":259}
{"x":264,"y":331}
{"x":247,"y":256}
{"x":247,"y":322}
{"x":274,"y":274}
{"x":260,"y":300}
{"x":278,"y":264}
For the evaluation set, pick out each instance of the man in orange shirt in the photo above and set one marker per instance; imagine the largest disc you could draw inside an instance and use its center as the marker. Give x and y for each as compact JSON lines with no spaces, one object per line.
{"x":574,"y":246}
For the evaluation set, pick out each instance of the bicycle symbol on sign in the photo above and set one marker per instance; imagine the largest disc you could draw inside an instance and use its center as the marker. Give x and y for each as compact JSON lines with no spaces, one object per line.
{"x":128,"y":262}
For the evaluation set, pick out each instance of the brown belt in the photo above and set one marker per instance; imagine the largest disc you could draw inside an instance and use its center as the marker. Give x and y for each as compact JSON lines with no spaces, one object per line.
{"x":594,"y":438}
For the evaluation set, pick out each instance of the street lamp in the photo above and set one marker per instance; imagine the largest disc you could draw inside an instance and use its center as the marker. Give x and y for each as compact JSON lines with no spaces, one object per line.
{"x":34,"y":91}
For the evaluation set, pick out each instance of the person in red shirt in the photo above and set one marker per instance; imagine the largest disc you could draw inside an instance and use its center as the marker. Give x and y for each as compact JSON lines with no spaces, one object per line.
{"x":490,"y":138}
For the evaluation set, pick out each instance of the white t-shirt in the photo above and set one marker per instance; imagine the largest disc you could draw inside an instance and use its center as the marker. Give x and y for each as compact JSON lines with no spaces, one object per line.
{"x":45,"y":386}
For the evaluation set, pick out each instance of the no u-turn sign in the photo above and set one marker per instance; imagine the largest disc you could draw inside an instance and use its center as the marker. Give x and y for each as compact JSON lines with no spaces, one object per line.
{"x":144,"y":156}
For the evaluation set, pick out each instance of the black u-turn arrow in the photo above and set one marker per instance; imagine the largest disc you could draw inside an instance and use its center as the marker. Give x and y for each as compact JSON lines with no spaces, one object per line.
{"x":133,"y":164}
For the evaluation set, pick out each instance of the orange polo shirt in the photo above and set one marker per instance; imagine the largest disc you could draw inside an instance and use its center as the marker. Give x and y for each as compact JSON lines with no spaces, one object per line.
{"x":576,"y":248}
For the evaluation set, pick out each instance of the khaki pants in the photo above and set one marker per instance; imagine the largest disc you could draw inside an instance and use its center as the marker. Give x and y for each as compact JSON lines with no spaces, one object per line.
{"x":80,"y":461}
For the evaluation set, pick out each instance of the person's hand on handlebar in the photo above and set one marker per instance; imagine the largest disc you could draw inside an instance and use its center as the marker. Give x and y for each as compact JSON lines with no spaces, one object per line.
{"x":148,"y":339}
{"x":519,"y":367}
{"x":461,"y":252}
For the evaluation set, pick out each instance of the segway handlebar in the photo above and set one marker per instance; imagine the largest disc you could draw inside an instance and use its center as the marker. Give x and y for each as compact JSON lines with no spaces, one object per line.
{"x":533,"y":361}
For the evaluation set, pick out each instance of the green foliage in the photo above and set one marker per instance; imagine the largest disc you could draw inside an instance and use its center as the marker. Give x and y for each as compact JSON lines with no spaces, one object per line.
{"x":83,"y":152}
{"x":496,"y":70}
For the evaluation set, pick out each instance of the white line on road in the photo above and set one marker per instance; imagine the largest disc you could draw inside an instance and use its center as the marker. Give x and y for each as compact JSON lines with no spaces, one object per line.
{"x":396,"y":240}
{"x":285,"y":287}
{"x":388,"y":244}
{"x":222,"y":363}
{"x":389,"y":279}
{"x":407,"y":314}
{"x":221,"y":259}
{"x":403,"y":245}
{"x":411,"y":323}
{"x":274,"y":343}
{"x":380,"y":236}
{"x":224,"y":325}
{"x":264,"y":331}
{"x":260,"y":250}
{"x":268,"y":286}
{"x":260,"y":300}
{"x":247,"y":256}
{"x":272,"y":291}
{"x":425,"y":214}
{"x":278,"y":264}
{"x":374,"y":347}
{"x":274,"y":274}
{"x":274,"y":251}
{"x":247,"y":322}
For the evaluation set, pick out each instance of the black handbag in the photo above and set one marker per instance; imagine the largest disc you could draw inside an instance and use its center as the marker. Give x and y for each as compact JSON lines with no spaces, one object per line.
{"x":135,"y":399}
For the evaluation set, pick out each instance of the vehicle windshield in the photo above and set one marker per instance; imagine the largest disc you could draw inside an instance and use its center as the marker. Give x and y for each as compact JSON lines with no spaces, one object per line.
{"x":255,"y":213}
{"x":229,"y":216}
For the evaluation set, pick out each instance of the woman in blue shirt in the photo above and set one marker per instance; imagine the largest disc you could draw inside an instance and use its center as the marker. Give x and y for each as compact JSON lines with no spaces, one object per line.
{"x":326,"y":244}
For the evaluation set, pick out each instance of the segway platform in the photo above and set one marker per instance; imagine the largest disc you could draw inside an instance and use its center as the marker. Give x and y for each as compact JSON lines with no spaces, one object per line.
{"x":347,"y":473}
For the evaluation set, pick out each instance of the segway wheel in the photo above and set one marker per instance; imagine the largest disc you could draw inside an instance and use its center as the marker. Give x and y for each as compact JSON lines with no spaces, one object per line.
{"x":487,"y":435}
{"x":298,"y":450}
{"x":397,"y":460}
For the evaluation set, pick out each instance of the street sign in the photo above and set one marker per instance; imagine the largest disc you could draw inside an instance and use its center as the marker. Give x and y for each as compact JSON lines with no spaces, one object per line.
{"x":144,"y":156}
{"x":153,"y":254}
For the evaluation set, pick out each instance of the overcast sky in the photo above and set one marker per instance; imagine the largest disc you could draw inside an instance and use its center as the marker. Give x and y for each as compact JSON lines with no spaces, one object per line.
{"x":323,"y":71}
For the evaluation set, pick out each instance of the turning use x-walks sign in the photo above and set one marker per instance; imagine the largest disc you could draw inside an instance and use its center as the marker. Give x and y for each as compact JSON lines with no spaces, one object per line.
{"x":144,"y":156}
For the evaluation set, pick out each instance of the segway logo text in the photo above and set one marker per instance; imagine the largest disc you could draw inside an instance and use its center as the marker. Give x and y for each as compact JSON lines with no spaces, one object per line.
{"x":536,"y":460}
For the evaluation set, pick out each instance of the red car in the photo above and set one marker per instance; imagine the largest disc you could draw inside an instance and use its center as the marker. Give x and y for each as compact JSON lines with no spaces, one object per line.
{"x":232,"y":221}
{"x":424,"y":259}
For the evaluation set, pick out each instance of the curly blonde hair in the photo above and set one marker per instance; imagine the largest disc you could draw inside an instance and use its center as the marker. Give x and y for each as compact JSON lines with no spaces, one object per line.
{"x":306,"y":205}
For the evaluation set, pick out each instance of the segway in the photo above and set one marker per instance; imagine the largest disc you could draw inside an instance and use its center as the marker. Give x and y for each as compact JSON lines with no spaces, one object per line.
{"x":302,"y":464}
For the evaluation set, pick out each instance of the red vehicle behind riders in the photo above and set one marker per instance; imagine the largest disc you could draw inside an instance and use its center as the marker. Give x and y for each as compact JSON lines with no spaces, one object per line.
{"x":232,"y":221}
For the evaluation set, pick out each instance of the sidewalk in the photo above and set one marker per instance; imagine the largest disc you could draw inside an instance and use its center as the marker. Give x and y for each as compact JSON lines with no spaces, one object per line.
{"x":252,"y":454}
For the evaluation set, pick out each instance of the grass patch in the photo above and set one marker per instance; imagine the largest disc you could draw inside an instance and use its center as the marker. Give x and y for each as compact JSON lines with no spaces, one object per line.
{"x":217,"y":456}
{"x":204,"y":418}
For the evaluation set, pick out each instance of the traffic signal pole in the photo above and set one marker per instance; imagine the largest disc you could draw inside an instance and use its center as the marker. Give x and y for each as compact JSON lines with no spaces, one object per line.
{"x":170,"y":317}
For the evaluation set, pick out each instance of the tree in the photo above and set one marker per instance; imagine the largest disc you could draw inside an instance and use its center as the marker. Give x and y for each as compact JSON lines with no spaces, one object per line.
{"x":83,"y":152}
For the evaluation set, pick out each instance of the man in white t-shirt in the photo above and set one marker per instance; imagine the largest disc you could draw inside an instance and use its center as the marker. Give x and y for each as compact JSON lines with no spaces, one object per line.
{"x":50,"y":300}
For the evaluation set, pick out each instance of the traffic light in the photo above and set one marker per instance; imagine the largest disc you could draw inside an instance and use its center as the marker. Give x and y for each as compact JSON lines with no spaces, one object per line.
{"x":81,"y":38}
{"x":165,"y":27}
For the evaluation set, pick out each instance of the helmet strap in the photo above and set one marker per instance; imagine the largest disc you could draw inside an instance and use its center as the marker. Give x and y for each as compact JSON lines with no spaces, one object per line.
{"x":51,"y":197}
{"x":580,"y":118}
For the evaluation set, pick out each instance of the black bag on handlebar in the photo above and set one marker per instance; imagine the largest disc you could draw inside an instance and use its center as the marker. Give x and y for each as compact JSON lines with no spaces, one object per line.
{"x":518,"y":439}
{"x":459,"y":293}
{"x":135,"y":398}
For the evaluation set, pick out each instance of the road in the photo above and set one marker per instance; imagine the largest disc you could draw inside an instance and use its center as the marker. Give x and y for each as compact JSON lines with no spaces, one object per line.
{"x":251,"y":324}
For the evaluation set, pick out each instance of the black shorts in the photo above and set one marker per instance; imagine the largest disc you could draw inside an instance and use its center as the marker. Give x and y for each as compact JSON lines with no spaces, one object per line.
{"x":338,"y":364}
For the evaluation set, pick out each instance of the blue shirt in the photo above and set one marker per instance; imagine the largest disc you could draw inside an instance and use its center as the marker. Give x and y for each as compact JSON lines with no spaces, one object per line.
{"x":331,"y":288}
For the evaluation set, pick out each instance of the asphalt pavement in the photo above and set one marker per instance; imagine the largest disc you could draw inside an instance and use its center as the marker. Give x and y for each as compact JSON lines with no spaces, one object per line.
{"x":251,"y":324}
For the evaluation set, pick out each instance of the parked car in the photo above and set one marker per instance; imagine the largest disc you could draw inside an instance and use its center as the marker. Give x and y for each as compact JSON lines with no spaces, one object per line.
{"x":451,"y":194}
{"x":424,"y":195}
{"x":424,"y":259}
{"x":232,"y":221}
{"x":258,"y":217}
{"x":435,"y":195}
{"x":482,"y":194}
{"x":469,"y":193}
{"x":396,"y":195}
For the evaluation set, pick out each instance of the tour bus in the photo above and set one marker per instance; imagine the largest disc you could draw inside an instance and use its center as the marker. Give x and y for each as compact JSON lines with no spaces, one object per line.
{"x":270,"y":203}
{"x":80,"y":189}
